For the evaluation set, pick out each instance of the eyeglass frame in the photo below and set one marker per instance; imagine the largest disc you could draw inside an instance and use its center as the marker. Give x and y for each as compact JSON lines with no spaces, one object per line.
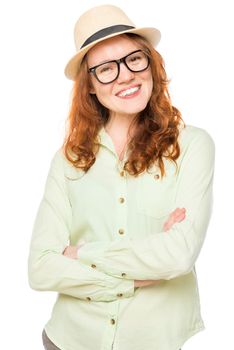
{"x":120,"y":60}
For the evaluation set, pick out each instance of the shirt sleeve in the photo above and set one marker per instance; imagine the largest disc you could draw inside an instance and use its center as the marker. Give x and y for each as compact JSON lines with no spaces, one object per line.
{"x":48,"y":268}
{"x":166,"y":255}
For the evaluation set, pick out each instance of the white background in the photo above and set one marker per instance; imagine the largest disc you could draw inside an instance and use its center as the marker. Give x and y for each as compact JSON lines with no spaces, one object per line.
{"x":36,"y":41}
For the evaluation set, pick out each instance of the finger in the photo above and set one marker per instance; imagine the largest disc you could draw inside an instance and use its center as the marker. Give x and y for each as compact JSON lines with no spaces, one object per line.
{"x":179,"y":211}
{"x":182,"y":213}
{"x":175,"y":213}
{"x":181,"y":216}
{"x":172,"y":220}
{"x":167,"y":225}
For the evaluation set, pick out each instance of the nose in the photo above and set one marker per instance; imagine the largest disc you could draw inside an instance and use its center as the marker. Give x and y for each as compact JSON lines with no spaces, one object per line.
{"x":125,"y":74}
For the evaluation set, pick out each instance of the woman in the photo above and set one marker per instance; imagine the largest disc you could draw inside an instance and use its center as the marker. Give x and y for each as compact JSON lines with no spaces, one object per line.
{"x":127,"y":200}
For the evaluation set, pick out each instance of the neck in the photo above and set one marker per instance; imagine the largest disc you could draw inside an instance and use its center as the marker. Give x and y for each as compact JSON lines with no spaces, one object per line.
{"x":120,"y":128}
{"x":119,"y":123}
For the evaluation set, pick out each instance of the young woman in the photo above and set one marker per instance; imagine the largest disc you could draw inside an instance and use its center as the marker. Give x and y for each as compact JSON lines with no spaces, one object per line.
{"x":127,"y":200}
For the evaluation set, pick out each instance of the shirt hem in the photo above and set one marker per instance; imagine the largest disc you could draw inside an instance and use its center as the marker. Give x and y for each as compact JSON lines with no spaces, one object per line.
{"x":185,"y":338}
{"x":178,"y":345}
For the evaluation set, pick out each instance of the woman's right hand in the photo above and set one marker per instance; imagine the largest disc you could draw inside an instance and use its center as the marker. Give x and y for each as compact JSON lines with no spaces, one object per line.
{"x":177,"y":215}
{"x":145,"y":283}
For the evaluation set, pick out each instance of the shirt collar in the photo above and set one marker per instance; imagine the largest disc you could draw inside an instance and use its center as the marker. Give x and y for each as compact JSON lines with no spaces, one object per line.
{"x":106,"y":141}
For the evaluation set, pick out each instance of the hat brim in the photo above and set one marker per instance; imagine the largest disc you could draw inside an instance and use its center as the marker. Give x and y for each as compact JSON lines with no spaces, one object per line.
{"x":152,"y":35}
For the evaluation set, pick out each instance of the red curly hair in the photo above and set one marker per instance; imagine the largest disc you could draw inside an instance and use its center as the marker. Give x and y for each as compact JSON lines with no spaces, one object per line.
{"x":157,"y":126}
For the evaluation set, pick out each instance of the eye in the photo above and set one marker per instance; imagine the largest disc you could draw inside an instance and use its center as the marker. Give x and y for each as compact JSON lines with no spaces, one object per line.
{"x":105,"y":68}
{"x":135,"y":58}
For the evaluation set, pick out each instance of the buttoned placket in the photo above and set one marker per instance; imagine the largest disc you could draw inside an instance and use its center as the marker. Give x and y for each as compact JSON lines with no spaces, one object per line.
{"x":120,"y":232}
{"x":112,"y":322}
{"x":121,"y":194}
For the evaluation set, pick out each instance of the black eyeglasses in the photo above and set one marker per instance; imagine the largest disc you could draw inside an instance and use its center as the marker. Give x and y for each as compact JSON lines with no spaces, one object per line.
{"x":105,"y":73}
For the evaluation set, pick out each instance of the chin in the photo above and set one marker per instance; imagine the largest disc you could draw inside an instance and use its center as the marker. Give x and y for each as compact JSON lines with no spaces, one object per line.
{"x":136,"y":110}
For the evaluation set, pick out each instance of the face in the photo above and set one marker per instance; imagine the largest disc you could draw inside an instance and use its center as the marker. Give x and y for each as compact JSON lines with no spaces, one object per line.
{"x":131,"y":91}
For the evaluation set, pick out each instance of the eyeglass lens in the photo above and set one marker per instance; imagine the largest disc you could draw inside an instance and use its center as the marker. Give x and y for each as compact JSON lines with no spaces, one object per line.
{"x":109,"y":71}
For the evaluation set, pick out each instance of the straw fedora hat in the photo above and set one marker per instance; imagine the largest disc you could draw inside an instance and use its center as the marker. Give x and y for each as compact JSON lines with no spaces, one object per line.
{"x":100,"y":23}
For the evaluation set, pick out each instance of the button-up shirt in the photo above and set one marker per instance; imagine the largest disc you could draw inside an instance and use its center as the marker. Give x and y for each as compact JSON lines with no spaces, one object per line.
{"x":121,"y":217}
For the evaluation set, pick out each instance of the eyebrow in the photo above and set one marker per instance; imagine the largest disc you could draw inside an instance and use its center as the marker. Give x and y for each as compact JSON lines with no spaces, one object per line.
{"x":114,"y":59}
{"x":106,"y":61}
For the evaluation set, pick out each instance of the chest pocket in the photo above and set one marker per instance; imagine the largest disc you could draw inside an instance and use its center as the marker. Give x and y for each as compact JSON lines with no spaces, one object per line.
{"x":155,"y":195}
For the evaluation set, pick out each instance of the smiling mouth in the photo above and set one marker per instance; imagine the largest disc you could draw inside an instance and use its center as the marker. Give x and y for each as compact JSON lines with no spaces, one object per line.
{"x":129,"y":92}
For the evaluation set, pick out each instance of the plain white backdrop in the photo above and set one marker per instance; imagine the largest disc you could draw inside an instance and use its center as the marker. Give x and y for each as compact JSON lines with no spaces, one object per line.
{"x":36,"y":41}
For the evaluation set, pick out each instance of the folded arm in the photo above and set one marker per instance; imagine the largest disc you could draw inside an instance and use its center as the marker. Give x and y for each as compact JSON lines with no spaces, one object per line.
{"x":48,"y":268}
{"x":166,"y":255}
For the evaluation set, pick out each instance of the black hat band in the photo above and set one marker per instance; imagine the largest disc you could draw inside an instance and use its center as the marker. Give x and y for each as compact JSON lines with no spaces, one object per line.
{"x":105,"y":32}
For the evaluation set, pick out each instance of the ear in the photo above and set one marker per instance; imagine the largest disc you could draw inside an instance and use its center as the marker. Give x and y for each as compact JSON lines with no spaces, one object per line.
{"x":92,"y":90}
{"x":90,"y":85}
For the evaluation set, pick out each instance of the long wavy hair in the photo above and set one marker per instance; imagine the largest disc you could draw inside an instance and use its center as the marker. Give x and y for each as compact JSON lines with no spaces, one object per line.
{"x":156,"y":127}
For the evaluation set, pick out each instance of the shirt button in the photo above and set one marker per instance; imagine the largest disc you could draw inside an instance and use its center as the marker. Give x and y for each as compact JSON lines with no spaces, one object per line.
{"x":121,"y":231}
{"x":93,"y":266}
{"x":121,"y":199}
{"x":119,"y":295}
{"x":157,"y":176}
{"x":88,"y":298}
{"x":112,"y":321}
{"x":123,"y":274}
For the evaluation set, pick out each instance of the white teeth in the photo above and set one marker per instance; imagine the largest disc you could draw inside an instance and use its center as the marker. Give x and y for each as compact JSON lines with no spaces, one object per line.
{"x":129,"y":91}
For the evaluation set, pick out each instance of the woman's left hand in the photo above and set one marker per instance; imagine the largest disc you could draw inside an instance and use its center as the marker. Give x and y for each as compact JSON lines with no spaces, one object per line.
{"x":177,"y":215}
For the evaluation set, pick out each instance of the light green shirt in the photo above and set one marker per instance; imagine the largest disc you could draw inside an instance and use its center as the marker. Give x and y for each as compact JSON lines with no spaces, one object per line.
{"x":121,"y":219}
